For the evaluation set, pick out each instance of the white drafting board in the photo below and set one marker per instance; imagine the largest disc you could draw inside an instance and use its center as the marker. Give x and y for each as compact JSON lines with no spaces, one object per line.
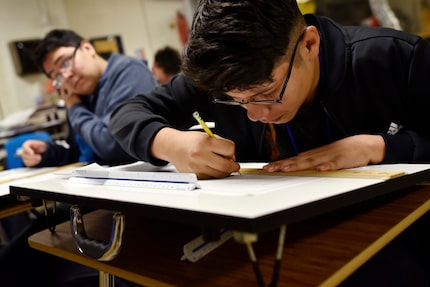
{"x":147,"y":176}
{"x":245,"y":196}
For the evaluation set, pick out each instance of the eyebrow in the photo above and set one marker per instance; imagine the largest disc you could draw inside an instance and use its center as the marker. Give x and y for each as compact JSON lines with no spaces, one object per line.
{"x":265,"y":91}
{"x":58,"y":59}
{"x":273,"y":82}
{"x":55,"y":64}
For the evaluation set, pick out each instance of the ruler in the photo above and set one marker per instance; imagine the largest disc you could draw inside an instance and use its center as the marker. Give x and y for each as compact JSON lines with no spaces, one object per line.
{"x":144,"y":184}
{"x":353,"y":173}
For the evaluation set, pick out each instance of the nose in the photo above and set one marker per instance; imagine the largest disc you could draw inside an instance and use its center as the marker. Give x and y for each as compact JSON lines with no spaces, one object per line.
{"x":257,"y":112}
{"x":67,"y":77}
{"x":67,"y":73}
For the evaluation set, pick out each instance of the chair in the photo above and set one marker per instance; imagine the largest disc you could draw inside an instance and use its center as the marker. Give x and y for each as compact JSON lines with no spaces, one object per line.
{"x":15,"y":143}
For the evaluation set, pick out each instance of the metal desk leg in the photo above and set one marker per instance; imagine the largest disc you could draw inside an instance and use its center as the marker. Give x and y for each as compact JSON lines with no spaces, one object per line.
{"x":248,"y":239}
{"x":106,"y":279}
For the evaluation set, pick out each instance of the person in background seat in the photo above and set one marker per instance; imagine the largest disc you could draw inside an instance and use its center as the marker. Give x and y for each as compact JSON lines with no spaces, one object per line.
{"x":167,"y":63}
{"x":91,"y":88}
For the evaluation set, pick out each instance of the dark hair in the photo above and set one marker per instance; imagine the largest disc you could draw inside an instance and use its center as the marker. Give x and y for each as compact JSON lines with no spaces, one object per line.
{"x":53,"y":40}
{"x":235,"y":44}
{"x":169,"y":60}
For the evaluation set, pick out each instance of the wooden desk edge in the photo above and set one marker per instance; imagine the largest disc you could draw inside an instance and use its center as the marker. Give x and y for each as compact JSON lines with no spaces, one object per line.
{"x":15,"y":208}
{"x":349,"y":268}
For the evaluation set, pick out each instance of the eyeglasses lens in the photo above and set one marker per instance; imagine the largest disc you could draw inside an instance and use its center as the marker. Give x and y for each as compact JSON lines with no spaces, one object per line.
{"x":57,"y":82}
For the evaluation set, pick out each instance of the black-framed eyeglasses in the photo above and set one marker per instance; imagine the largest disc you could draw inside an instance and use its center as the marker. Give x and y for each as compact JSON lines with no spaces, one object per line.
{"x":266,"y":100}
{"x":65,"y":66}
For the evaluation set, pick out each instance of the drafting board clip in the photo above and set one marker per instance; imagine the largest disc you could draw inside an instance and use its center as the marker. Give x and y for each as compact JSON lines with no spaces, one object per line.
{"x":198,"y":247}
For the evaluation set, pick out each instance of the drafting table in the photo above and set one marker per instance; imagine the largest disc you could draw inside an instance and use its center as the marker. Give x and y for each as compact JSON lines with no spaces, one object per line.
{"x":250,"y":204}
{"x":321,"y":251}
{"x":259,"y":208}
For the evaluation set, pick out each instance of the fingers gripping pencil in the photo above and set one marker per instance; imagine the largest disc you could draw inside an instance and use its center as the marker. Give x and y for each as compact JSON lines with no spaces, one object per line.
{"x":206,"y":128}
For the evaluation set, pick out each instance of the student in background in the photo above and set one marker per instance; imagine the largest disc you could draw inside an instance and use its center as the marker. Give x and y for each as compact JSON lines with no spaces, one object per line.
{"x":167,"y":63}
{"x":91,"y":88}
{"x":297,"y":91}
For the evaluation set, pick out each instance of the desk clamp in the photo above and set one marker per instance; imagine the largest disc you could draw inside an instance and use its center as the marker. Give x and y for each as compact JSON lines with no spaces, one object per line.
{"x":93,"y":248}
{"x":248,"y":239}
{"x":201,"y":246}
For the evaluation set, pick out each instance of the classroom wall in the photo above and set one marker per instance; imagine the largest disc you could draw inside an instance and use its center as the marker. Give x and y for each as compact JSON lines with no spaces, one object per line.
{"x":23,"y":19}
{"x":142,"y":24}
{"x":147,"y":24}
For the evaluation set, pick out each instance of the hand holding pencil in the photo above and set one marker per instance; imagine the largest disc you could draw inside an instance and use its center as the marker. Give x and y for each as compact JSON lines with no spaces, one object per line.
{"x":219,"y":144}
{"x":203,"y":153}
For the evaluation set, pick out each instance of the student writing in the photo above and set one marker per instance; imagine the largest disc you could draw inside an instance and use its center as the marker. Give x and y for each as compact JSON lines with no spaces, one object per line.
{"x":300,"y":92}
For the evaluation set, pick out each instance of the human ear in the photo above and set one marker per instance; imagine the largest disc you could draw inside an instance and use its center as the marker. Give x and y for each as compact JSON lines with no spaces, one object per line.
{"x":311,"y":40}
{"x":85,"y":44}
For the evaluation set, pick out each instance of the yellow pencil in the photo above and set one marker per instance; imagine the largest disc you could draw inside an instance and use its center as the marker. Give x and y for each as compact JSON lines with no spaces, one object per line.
{"x":203,"y":124}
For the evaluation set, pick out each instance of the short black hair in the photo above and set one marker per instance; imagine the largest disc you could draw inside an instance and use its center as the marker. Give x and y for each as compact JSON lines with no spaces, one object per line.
{"x":54,"y":39}
{"x":236,"y":44}
{"x":169,"y":59}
